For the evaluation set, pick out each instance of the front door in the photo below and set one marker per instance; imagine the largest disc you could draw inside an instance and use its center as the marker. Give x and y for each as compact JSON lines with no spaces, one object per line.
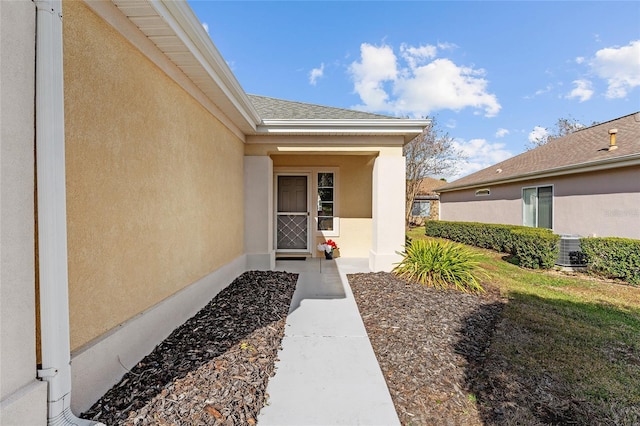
{"x":292,"y":214}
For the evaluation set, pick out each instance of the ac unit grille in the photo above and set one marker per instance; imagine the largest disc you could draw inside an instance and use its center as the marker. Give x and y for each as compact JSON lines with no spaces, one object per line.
{"x":570,"y":253}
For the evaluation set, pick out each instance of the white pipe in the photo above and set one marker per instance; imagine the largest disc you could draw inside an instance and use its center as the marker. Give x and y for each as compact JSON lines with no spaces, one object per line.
{"x":52,"y":217}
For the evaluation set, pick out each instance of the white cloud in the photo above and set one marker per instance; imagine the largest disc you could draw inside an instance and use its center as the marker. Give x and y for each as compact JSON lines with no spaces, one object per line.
{"x":620,"y":67}
{"x":417,"y":55}
{"x":377,"y":65}
{"x":538,"y":133}
{"x":315,"y":74}
{"x":206,"y":27}
{"x":481,"y":154}
{"x":500,"y":133}
{"x":420,"y":87}
{"x":580,"y":60}
{"x":583,"y":90}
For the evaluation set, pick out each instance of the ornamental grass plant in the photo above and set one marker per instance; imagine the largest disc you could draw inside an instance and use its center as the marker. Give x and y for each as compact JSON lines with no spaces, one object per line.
{"x":440,"y":264}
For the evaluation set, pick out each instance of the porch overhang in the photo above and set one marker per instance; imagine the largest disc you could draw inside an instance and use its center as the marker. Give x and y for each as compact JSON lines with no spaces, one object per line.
{"x":406,"y":128}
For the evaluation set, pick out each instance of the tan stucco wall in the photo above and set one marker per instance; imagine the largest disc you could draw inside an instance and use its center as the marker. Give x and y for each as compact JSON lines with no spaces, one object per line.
{"x":602,"y":203}
{"x":154,"y":182}
{"x":354,"y":197}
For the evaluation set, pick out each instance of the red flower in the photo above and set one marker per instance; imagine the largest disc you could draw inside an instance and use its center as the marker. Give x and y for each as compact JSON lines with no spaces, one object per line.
{"x":332,"y":243}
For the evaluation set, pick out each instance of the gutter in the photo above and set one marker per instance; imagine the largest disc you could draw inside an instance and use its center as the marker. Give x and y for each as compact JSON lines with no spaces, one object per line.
{"x":592,"y":166}
{"x":401,"y":127}
{"x":52,"y":217}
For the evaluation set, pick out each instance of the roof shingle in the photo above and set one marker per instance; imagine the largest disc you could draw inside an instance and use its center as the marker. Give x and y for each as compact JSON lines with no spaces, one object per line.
{"x":279,"y":109}
{"x":583,"y":147}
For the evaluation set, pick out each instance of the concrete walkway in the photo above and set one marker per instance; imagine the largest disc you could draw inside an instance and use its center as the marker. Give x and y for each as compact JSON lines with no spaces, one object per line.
{"x":327,"y":373}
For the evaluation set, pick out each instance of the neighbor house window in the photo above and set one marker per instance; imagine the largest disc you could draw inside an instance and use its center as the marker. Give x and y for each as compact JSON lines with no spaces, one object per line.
{"x":537,"y":207}
{"x":326,"y":201}
{"x":421,"y":208}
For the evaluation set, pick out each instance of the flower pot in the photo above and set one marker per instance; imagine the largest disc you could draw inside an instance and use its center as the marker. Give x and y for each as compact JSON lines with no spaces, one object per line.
{"x":328,"y":255}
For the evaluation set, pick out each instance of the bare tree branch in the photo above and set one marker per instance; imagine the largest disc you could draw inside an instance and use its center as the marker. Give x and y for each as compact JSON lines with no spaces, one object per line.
{"x":432,"y":153}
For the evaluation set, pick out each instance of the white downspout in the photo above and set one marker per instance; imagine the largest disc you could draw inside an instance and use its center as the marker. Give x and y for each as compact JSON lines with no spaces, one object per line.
{"x":52,"y":216}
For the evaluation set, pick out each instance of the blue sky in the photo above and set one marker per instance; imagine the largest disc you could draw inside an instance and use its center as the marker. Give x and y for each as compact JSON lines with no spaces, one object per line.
{"x":493,"y":74}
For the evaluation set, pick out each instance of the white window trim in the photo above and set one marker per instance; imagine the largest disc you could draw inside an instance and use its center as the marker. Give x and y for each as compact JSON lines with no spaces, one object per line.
{"x":553,"y":203}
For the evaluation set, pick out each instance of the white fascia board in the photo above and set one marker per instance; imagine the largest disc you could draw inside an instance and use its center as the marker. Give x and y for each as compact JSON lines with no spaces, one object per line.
{"x":592,"y":166}
{"x":408,"y":128}
{"x":179,"y":16}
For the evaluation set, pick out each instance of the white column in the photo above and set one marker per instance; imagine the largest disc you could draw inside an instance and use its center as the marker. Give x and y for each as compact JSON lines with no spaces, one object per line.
{"x":23,"y":399}
{"x":258,"y":212}
{"x":388,"y":213}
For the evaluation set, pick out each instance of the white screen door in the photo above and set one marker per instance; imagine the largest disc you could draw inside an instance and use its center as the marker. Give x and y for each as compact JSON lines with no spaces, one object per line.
{"x":292,"y":214}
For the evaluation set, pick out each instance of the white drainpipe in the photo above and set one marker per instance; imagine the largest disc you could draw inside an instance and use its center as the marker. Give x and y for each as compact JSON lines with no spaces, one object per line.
{"x":52,"y":216}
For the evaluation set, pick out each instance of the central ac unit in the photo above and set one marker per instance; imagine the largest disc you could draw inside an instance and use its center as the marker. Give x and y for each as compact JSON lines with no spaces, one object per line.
{"x":570,"y":253}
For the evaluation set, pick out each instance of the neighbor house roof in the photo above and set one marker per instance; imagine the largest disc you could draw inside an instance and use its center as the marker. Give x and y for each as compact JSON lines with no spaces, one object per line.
{"x":428,"y":185}
{"x":581,"y":151}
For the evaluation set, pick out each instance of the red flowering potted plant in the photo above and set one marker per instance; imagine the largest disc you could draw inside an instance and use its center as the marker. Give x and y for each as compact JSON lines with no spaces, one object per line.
{"x":328,"y":247}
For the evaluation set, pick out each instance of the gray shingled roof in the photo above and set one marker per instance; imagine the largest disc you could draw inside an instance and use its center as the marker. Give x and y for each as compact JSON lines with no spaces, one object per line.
{"x":585,"y":146}
{"x":279,"y":109}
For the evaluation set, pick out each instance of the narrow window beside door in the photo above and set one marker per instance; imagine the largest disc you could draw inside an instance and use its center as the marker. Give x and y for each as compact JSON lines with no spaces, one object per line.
{"x":326,"y":201}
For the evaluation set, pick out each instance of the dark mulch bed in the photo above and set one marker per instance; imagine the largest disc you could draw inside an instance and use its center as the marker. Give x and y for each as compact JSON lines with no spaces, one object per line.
{"x":212,"y":370}
{"x":430,"y":345}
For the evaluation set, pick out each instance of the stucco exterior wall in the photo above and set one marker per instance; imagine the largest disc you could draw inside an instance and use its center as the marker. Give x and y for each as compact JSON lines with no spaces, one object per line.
{"x":22,"y":397}
{"x":154,"y":181}
{"x":600,"y":203}
{"x":503,"y":205}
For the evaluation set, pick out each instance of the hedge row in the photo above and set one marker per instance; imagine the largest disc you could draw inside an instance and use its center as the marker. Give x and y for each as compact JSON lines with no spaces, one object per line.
{"x":533,"y":247}
{"x":613,"y":257}
{"x":538,"y":248}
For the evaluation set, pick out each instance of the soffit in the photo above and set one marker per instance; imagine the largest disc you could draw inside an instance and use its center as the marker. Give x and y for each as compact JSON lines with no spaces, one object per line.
{"x":173,"y":28}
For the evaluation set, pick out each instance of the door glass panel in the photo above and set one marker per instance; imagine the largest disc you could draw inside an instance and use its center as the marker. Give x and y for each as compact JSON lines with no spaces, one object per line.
{"x":545,"y":207}
{"x":292,"y":194}
{"x":292,"y":232}
{"x":529,"y":207}
{"x":292,"y":223}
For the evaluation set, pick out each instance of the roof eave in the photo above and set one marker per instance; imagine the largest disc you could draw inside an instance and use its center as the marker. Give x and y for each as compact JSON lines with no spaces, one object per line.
{"x":182,"y":42}
{"x":592,"y":166}
{"x":409,"y":129}
{"x":188,"y":28}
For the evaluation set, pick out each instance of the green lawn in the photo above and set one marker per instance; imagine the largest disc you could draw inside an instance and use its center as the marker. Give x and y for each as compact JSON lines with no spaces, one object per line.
{"x":580,"y":334}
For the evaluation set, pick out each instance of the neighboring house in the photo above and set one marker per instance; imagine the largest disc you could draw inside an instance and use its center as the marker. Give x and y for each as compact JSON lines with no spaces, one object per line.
{"x":426,"y":204}
{"x":586,"y":183}
{"x":159,"y":180}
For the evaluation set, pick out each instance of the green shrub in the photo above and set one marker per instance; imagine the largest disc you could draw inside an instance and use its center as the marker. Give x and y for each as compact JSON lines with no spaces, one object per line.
{"x":613,"y":257}
{"x":535,"y":247}
{"x":485,"y":235}
{"x":440,"y":264}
